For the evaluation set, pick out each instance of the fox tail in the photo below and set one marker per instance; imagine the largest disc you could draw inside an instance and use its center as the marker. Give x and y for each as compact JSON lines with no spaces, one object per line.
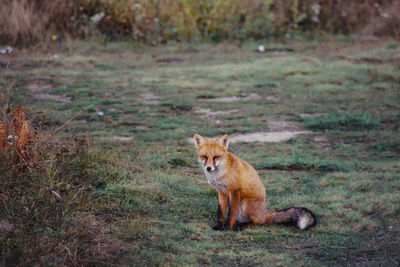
{"x":301,"y":217}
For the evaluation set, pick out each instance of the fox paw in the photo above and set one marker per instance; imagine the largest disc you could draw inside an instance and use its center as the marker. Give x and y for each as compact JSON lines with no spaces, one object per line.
{"x":219,"y":227}
{"x":236,"y":228}
{"x":226,"y":227}
{"x":240,"y":226}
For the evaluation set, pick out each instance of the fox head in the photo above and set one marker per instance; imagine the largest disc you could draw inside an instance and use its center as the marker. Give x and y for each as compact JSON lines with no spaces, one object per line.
{"x":211,"y":151}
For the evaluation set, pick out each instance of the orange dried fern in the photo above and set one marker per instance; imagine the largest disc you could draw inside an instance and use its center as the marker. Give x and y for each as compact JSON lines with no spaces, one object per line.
{"x":21,"y":130}
{"x":16,"y":140}
{"x":25,"y":137}
{"x":3,"y":136}
{"x":19,"y":118}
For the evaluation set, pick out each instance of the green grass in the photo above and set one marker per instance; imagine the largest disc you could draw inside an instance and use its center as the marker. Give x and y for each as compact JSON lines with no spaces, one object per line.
{"x":342,"y":121}
{"x":144,"y":201}
{"x":300,"y":165}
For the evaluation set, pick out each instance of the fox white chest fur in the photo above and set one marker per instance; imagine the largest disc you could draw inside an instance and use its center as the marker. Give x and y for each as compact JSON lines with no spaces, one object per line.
{"x":214,"y":177}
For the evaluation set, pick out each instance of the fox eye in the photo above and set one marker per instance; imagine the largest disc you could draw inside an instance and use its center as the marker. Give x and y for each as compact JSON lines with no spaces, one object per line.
{"x":204,"y":157}
{"x":216,"y":157}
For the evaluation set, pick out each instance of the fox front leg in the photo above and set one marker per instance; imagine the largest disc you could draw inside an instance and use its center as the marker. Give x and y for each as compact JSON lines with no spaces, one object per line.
{"x":234,"y":201}
{"x":222,"y":205}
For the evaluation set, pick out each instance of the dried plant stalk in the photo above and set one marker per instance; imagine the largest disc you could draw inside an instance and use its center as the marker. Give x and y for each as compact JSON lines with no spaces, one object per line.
{"x":3,"y":136}
{"x":16,"y":140}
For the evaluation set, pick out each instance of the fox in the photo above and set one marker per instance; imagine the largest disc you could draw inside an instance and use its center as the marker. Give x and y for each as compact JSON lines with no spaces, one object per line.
{"x":240,"y":190}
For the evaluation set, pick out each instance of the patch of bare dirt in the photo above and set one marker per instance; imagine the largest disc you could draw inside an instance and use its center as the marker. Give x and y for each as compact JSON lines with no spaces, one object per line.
{"x":150,"y":99}
{"x":280,"y":131}
{"x":278,"y":126}
{"x":265,"y":137}
{"x":321,"y":141}
{"x":56,"y":98}
{"x":309,"y":115}
{"x":117,"y":138}
{"x":213,"y":115}
{"x":232,"y":98}
{"x":142,"y":127}
{"x":273,"y":98}
{"x":38,"y":87}
{"x":262,"y":137}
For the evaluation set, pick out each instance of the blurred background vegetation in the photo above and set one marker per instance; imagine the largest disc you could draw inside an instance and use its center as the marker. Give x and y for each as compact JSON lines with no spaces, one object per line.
{"x":29,"y":22}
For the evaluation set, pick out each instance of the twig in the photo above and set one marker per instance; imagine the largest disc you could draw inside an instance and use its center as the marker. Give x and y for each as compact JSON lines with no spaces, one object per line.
{"x":68,"y":121}
{"x":72,"y":257}
{"x":69,"y":203}
{"x":23,"y":159}
{"x":5,"y":205}
{"x":106,"y":263}
{"x":194,"y":177}
{"x":7,"y":85}
{"x":35,"y":47}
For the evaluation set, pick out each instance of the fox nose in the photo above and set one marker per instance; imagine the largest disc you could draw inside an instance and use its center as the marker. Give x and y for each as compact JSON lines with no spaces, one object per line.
{"x":209,"y":168}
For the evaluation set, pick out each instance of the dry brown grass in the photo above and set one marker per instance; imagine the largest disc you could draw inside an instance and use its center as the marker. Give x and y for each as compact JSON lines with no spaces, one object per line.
{"x":24,"y":22}
{"x":21,"y":22}
{"x":47,"y":204}
{"x":47,"y":213}
{"x":3,"y":135}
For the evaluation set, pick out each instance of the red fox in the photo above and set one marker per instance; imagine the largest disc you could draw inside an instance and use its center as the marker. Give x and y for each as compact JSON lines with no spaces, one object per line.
{"x":241,"y":190}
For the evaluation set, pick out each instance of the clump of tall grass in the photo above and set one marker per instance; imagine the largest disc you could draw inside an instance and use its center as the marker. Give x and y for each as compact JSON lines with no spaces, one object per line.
{"x":49,"y":213}
{"x":27,"y":22}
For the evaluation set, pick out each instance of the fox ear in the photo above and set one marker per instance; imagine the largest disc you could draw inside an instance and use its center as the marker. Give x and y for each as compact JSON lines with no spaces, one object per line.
{"x":199,"y":140}
{"x":223,"y":141}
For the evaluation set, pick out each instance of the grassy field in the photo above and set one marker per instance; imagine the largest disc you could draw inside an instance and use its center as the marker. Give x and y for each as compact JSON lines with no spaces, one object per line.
{"x":131,"y":190}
